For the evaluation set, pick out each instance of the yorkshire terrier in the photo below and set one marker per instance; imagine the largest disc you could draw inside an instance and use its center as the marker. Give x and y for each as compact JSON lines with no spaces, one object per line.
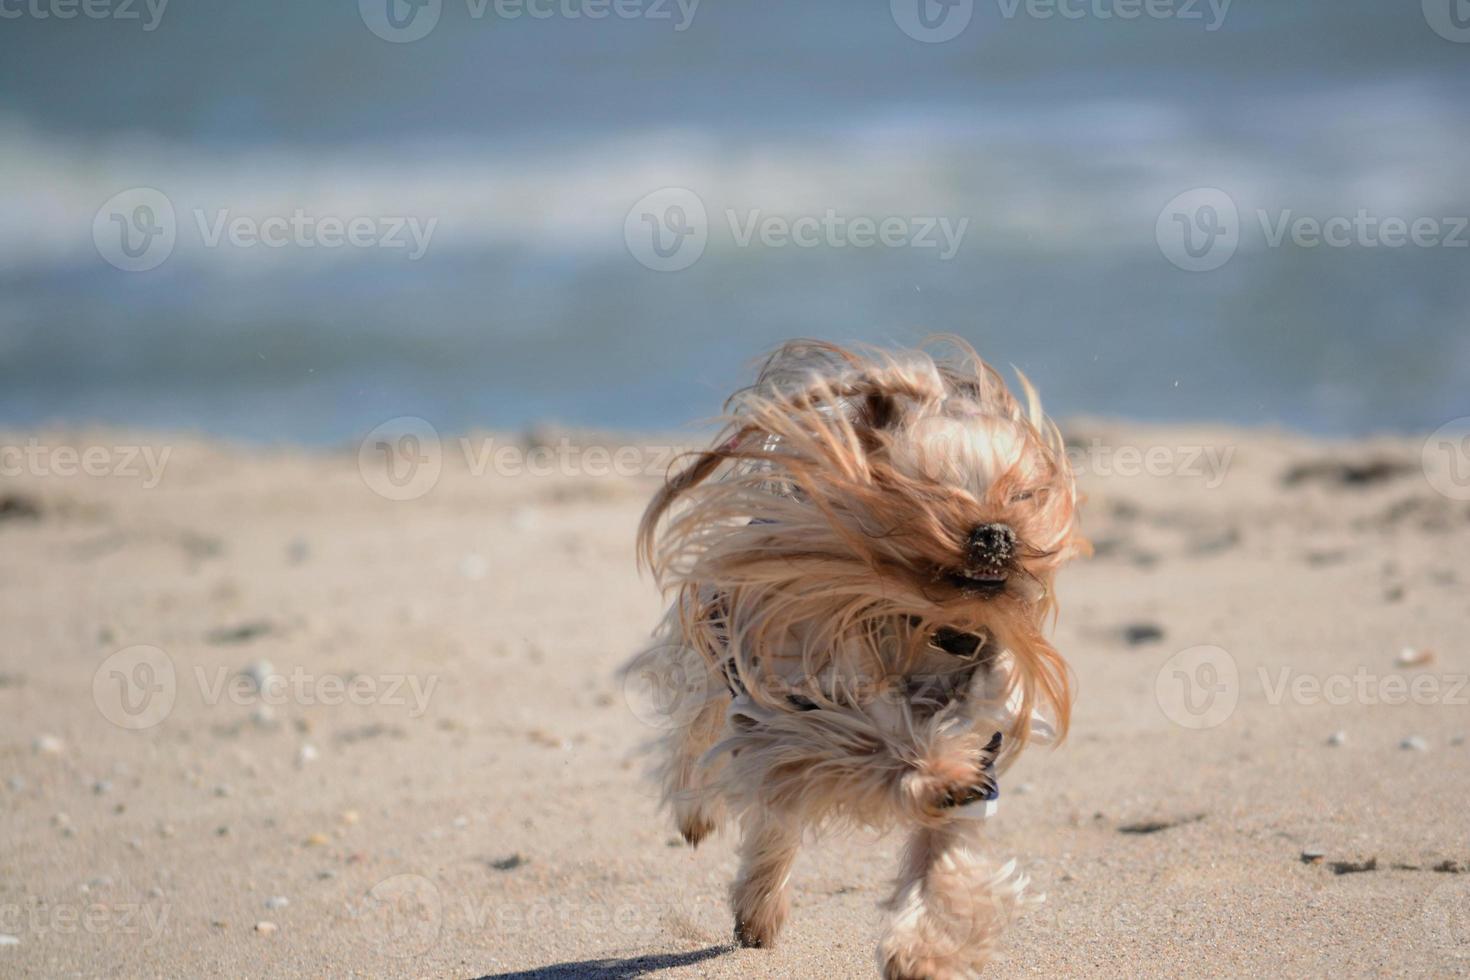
{"x":861,"y":567}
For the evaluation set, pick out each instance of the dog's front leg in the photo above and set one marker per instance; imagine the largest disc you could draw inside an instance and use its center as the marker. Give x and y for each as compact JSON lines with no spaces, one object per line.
{"x":949,"y":905}
{"x":760,"y":898}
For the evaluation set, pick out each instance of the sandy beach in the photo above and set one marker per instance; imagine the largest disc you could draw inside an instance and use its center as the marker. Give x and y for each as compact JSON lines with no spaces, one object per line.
{"x":260,"y":718}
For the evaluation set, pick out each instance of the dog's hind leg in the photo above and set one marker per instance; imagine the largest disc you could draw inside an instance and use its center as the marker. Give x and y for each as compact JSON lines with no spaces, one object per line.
{"x":760,"y":898}
{"x":949,"y":906}
{"x":697,"y":811}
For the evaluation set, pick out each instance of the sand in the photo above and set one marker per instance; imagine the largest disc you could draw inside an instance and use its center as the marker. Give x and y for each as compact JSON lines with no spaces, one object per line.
{"x":445,"y":781}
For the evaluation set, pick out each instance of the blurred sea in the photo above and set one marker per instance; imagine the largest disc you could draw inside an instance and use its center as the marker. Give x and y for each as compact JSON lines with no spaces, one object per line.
{"x":527,"y":140}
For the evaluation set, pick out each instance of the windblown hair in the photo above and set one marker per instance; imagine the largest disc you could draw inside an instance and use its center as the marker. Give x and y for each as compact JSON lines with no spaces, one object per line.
{"x":862,"y":570}
{"x":832,"y":520}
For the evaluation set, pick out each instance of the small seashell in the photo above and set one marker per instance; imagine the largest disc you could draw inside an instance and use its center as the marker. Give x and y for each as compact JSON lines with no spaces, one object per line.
{"x":1313,"y":855}
{"x":48,"y":745}
{"x":1414,"y":657}
{"x":1414,"y":743}
{"x":277,"y":902}
{"x":266,"y":928}
{"x":1337,"y":738}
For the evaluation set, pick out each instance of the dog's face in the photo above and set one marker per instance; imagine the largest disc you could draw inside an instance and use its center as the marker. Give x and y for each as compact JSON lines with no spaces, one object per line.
{"x":855,"y":499}
{"x":990,"y":494}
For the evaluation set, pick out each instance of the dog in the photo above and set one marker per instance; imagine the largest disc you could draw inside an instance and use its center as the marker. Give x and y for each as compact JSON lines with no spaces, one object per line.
{"x":861,"y":568}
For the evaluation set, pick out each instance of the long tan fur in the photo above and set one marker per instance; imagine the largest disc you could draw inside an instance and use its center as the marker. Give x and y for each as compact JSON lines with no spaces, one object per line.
{"x":813,"y":551}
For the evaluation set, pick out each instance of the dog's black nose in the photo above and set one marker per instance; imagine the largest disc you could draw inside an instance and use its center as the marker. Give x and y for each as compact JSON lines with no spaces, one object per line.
{"x":992,"y":545}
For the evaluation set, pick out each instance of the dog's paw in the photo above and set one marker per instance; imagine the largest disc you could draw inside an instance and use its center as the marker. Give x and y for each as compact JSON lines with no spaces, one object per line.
{"x":695,"y":828}
{"x":946,"y":781}
{"x":936,"y":789}
{"x":752,"y":936}
{"x":759,"y":914}
{"x":896,"y":967}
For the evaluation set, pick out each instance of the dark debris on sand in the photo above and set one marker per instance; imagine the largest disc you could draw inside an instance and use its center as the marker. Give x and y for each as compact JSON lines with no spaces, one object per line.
{"x":14,"y":507}
{"x":1342,"y":473}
